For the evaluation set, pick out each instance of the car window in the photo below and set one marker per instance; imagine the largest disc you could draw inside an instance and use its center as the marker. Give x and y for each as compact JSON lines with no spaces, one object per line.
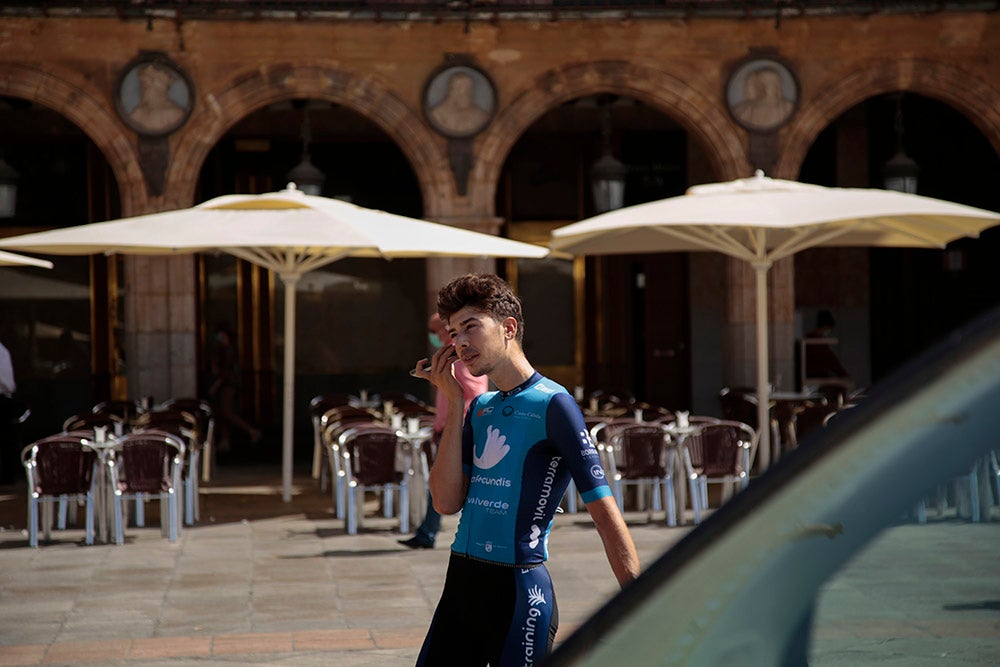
{"x":919,"y":594}
{"x":756,"y":584}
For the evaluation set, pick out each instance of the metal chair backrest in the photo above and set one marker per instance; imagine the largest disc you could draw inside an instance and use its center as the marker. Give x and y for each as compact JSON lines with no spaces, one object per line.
{"x":346,"y":413}
{"x":811,"y":417}
{"x":60,"y":464}
{"x":323,"y":402}
{"x":332,"y":430}
{"x":718,"y":449}
{"x":605,"y":431}
{"x":837,"y":414}
{"x":87,"y":421}
{"x":371,"y":451}
{"x":180,"y":423}
{"x":642,"y":449}
{"x":201,"y":410}
{"x":148,"y":460}
{"x":739,"y":404}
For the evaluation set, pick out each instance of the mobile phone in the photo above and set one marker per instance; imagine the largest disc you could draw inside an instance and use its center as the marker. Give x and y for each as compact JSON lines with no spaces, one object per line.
{"x":427,"y":369}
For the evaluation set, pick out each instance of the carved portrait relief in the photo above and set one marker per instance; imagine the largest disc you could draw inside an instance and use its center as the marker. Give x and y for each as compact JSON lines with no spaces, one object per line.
{"x":154,"y":95}
{"x":459,"y":101}
{"x":762,"y":94}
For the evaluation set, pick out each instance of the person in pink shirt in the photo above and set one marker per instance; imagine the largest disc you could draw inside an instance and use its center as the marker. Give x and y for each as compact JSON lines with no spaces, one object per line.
{"x":472,"y":387}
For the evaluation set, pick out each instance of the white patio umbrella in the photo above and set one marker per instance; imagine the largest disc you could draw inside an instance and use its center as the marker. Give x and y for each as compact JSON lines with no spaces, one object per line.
{"x":288,"y":232}
{"x":761,"y":220}
{"x":10,"y":259}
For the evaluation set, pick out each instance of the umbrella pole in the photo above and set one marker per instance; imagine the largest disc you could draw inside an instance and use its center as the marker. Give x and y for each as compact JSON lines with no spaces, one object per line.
{"x":290,"y":280}
{"x":763,"y":390}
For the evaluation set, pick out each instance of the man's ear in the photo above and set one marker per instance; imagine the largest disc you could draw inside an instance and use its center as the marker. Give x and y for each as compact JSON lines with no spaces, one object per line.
{"x":510,"y":328}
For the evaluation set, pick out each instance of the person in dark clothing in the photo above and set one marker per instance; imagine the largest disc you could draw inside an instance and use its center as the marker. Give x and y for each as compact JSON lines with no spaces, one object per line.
{"x":225,"y":389}
{"x":821,"y":361}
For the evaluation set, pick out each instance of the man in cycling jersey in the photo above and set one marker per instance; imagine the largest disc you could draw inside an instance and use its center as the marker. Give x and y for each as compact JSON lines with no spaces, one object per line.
{"x":506,"y":466}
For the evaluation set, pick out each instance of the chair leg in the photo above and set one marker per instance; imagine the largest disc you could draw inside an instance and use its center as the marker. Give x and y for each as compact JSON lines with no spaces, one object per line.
{"x":174,"y":515}
{"x":195,"y":485}
{"x":656,"y":501}
{"x":331,"y":474}
{"x":352,"y":517}
{"x":920,"y":511}
{"x":695,"y":499}
{"x":340,"y":490}
{"x":942,"y":499}
{"x":32,"y":521}
{"x":89,"y":521}
{"x":704,"y":492}
{"x":571,"y":498}
{"x":387,"y":501}
{"x":206,"y":461}
{"x":670,"y":502}
{"x":47,"y":519}
{"x":619,"y":496}
{"x":404,"y":506}
{"x":317,"y":466}
{"x":640,"y":494}
{"x":974,"y":492}
{"x":63,"y":511}
{"x":995,"y":476}
{"x":140,"y":510}
{"x":119,"y":528}
{"x":188,"y":502}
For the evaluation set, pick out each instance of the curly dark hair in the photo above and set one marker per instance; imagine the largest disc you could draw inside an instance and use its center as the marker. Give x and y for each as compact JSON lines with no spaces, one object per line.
{"x":484,"y":291}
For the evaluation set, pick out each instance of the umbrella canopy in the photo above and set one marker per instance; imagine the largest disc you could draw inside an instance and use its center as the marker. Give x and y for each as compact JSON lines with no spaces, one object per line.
{"x":761,"y":220}
{"x":10,"y":259}
{"x":18,"y":285}
{"x":288,"y":232}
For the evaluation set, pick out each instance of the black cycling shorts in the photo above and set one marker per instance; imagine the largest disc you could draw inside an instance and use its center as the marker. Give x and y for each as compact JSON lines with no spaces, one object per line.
{"x":498,"y":615}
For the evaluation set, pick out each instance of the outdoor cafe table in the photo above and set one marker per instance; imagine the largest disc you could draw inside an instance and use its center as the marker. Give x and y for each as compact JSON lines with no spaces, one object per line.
{"x":103,"y":503}
{"x":415,"y":464}
{"x":679,"y":433}
{"x":786,"y":405}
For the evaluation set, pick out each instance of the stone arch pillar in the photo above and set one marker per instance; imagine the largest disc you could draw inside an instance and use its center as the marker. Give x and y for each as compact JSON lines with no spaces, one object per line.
{"x":87,"y":107}
{"x":159,"y":328}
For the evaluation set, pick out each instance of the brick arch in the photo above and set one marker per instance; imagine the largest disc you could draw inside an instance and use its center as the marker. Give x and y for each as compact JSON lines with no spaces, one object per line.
{"x":88,"y":110}
{"x":974,"y":98}
{"x":697,"y":112}
{"x":246,"y":92}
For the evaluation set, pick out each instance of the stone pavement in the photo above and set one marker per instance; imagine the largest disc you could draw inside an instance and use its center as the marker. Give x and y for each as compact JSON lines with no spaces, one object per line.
{"x":263,"y":582}
{"x":258,"y":582}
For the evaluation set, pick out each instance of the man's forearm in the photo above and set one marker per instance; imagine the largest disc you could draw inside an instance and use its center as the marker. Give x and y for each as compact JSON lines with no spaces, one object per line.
{"x":623,"y":558}
{"x":618,"y":545}
{"x":447,"y":481}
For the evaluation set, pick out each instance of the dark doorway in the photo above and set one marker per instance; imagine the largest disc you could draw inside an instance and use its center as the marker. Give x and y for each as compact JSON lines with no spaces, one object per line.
{"x":632,"y":324}
{"x":342,"y":343}
{"x":645,"y":311}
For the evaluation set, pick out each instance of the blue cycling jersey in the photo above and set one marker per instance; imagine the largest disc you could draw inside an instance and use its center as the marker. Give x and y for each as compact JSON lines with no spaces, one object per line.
{"x":519,"y":450}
